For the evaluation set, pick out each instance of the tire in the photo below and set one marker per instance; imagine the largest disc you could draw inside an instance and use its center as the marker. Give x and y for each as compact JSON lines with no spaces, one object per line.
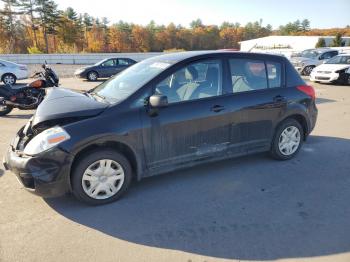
{"x":347,"y":80}
{"x":277,"y":150}
{"x":92,"y":182}
{"x":9,"y":79}
{"x":307,"y":70}
{"x":5,"y":110}
{"x":92,"y":76}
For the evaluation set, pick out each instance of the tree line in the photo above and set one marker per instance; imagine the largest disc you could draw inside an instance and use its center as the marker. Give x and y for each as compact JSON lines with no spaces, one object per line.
{"x":38,"y":26}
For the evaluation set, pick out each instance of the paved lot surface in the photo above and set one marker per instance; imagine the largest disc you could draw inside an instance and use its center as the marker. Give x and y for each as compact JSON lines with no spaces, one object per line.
{"x":251,"y":208}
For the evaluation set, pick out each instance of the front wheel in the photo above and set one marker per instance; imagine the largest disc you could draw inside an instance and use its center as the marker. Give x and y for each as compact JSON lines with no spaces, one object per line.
{"x":92,"y":76}
{"x":307,"y":70}
{"x":5,"y":109}
{"x":288,"y":140}
{"x":101,"y":177}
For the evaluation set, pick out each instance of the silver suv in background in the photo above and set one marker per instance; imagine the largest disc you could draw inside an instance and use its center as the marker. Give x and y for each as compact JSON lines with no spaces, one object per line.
{"x":307,"y":60}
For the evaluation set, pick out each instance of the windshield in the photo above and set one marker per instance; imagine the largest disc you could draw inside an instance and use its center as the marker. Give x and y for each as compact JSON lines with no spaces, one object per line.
{"x":339,"y":60}
{"x":310,"y":54}
{"x":100,"y":62}
{"x":130,"y":80}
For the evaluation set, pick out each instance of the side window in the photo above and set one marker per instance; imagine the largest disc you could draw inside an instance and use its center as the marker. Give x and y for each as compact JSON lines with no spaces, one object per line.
{"x":194,"y":81}
{"x":326,"y":55}
{"x":248,"y":75}
{"x":274,"y":74}
{"x":334,"y":53}
{"x":108,"y":63}
{"x":123,"y":61}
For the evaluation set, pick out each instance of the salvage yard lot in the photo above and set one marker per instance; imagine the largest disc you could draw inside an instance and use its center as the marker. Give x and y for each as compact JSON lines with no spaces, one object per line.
{"x":250,"y":208}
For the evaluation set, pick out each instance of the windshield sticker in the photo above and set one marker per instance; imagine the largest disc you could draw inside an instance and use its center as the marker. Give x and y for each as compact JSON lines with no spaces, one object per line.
{"x":160,"y":65}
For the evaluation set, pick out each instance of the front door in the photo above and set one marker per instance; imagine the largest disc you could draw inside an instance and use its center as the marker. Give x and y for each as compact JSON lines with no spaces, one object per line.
{"x":194,"y":126}
{"x":107,"y":68}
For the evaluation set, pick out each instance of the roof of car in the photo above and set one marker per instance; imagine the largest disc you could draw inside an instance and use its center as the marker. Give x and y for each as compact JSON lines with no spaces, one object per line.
{"x":179,"y":56}
{"x":7,"y":62}
{"x":344,"y":54}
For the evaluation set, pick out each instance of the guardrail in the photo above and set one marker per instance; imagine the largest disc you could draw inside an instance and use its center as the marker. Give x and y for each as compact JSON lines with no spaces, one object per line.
{"x":79,"y":59}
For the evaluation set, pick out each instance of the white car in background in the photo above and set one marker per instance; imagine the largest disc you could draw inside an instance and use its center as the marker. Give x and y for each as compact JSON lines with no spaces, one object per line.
{"x":307,"y":60}
{"x":11,"y":72}
{"x":335,"y":70}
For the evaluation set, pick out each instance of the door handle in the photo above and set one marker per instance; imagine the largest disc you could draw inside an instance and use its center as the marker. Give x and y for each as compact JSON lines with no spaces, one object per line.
{"x":279,"y":98}
{"x":217,"y":108}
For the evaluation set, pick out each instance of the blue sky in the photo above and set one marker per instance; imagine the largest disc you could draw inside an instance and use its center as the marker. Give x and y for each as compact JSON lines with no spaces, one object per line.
{"x":321,"y":13}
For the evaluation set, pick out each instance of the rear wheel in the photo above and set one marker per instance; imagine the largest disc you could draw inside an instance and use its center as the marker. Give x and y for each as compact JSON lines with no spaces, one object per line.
{"x":101,"y":177}
{"x":4,"y":110}
{"x":288,"y":140}
{"x":9,"y":79}
{"x":92,"y":76}
{"x":307,"y":70}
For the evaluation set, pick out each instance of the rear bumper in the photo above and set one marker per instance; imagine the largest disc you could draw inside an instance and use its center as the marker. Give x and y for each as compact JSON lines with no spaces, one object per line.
{"x":313,"y":113}
{"x":46,"y":174}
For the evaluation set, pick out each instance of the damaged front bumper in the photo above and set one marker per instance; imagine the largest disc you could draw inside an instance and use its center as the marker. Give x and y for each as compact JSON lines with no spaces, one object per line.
{"x":45,"y":174}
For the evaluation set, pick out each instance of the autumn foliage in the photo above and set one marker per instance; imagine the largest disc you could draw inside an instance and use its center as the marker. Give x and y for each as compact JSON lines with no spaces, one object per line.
{"x":37,"y":26}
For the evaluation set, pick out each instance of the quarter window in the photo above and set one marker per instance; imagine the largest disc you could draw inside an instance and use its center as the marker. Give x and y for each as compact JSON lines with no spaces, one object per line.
{"x":274,"y":74}
{"x":195,"y":81}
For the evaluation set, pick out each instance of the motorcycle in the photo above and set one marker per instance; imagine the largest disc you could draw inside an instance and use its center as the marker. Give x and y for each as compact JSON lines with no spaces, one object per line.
{"x":30,"y":96}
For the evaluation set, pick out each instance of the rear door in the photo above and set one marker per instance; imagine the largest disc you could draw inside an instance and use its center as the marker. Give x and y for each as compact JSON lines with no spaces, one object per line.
{"x":194,"y":126}
{"x":258,"y":100}
{"x":122,"y":63}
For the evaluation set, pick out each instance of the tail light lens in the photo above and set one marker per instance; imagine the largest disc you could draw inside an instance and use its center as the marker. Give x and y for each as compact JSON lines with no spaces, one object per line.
{"x":309,"y":90}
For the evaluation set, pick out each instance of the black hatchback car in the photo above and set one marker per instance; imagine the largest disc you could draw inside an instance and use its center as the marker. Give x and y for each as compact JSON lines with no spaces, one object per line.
{"x":105,"y":68}
{"x":164,"y":113}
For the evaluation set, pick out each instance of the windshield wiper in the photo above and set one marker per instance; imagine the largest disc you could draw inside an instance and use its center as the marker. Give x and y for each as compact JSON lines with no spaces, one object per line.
{"x":98,"y":95}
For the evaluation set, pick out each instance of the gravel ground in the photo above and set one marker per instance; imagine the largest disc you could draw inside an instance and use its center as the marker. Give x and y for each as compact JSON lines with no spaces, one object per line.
{"x":251,"y":208}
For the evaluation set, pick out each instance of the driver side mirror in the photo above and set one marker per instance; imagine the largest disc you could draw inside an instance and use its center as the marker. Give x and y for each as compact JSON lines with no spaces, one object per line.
{"x":158,"y":101}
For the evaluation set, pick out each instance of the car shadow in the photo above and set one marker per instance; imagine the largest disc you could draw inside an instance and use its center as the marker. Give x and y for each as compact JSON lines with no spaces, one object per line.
{"x":324,"y":100}
{"x":17,"y":116}
{"x":250,"y":208}
{"x":100,"y":80}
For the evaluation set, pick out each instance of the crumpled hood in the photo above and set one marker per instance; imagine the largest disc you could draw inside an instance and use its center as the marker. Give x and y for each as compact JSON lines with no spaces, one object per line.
{"x":63,"y":103}
{"x":331,"y":67}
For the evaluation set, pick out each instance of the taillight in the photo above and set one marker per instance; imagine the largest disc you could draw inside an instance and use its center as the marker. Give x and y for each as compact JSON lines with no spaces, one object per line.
{"x":309,"y":90}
